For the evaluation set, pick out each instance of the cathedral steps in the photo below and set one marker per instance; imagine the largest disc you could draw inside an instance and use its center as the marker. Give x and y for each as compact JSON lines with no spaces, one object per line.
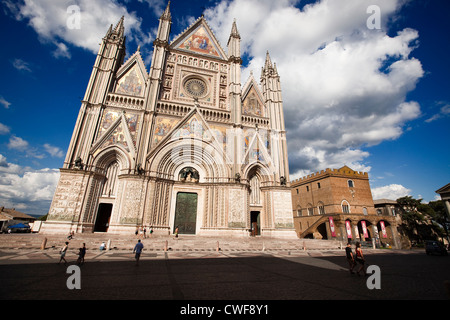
{"x":161,"y":243}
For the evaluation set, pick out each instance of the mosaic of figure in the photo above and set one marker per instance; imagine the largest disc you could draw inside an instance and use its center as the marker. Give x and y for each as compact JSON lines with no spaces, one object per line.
{"x":130,"y":84}
{"x":200,"y":42}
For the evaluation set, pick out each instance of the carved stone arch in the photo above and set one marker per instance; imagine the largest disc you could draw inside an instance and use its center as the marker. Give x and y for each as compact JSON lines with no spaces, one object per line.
{"x":110,"y":154}
{"x":258,"y":168}
{"x":175,"y":155}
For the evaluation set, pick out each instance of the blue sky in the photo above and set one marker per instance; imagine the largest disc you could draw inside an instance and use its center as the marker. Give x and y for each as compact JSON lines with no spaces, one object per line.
{"x":376,"y":100}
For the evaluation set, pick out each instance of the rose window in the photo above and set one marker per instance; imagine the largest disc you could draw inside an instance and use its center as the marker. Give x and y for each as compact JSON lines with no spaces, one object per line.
{"x":195,"y":87}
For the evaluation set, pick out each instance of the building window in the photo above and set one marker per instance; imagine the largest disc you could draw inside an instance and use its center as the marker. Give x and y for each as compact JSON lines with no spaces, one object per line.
{"x":393,"y":211}
{"x":297,"y":191}
{"x":307,"y":188}
{"x":310,"y":210}
{"x":350,"y":184}
{"x":321,"y":208}
{"x":365,"y":211}
{"x":345,"y":206}
{"x":318,"y":185}
{"x":299,"y":212}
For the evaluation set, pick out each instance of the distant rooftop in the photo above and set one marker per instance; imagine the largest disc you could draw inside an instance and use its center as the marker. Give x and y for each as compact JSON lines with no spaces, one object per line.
{"x":12,"y":213}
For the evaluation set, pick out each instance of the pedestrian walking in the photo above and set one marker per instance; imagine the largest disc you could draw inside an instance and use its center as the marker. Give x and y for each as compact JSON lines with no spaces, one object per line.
{"x":350,"y":258}
{"x":63,"y":253}
{"x":145,"y":232}
{"x":81,"y":254}
{"x":138,"y":250}
{"x":360,"y":259}
{"x":176,"y":232}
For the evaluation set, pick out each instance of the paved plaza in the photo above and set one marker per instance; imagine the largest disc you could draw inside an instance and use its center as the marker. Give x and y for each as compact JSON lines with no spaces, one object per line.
{"x":232,"y":274}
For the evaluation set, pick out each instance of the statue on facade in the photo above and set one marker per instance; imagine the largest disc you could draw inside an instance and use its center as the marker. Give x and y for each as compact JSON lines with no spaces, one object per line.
{"x":78,"y":163}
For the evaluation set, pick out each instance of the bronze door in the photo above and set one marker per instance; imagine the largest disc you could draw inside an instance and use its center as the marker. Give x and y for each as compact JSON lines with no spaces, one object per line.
{"x":186,"y":213}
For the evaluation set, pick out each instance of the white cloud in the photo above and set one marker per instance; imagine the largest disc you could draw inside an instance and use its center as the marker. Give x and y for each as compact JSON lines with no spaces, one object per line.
{"x":5,"y":103}
{"x":17,"y":143}
{"x":53,"y":151}
{"x":344,"y":86}
{"x":444,"y":111}
{"x":25,"y":188}
{"x":392,"y":192}
{"x":49,"y":19}
{"x":21,"y":65}
{"x":4,"y":129}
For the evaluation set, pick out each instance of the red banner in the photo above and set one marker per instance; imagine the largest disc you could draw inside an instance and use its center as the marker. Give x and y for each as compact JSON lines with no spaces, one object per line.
{"x":383,"y":229}
{"x":332,"y":228}
{"x":364,"y":228}
{"x":348,"y":226}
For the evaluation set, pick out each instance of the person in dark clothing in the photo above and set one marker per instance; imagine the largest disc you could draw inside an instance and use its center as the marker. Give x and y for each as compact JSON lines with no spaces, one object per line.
{"x":138,"y":250}
{"x":350,"y":257}
{"x":81,"y":254}
{"x":360,"y":259}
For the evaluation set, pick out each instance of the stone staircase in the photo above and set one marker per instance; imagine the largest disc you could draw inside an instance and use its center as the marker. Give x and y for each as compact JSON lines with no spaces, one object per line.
{"x":161,"y":243}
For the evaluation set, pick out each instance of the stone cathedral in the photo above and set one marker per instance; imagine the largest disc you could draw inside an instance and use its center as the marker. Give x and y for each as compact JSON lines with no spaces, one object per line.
{"x":183,"y":145}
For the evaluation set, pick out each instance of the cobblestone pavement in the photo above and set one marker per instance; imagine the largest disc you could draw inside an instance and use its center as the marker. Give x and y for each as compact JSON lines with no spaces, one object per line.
{"x":221,"y":275}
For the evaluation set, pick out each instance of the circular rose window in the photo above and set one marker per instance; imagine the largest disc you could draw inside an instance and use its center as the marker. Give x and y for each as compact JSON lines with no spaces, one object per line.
{"x":195,"y":87}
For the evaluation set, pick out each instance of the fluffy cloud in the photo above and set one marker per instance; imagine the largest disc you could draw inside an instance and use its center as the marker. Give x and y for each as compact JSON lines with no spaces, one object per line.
{"x":55,"y":22}
{"x":392,"y":192}
{"x":4,"y":129}
{"x":17,"y":143}
{"x":344,"y":85}
{"x":4,"y":103}
{"x":53,"y":151}
{"x":27,"y":189}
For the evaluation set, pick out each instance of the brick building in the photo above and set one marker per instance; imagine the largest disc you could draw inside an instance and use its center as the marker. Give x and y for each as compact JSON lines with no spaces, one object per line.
{"x":338,"y":204}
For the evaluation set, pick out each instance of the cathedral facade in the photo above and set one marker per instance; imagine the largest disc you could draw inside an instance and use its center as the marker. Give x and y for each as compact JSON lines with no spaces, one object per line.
{"x":183,"y":145}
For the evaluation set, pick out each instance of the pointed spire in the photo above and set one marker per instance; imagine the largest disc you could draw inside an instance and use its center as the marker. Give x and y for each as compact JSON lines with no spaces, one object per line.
{"x":275,"y":71}
{"x":120,"y":29}
{"x":268,"y":63}
{"x":234,"y":30}
{"x":109,"y":30}
{"x":166,"y":15}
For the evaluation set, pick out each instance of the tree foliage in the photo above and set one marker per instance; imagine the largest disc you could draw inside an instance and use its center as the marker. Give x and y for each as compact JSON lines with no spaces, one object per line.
{"x":422,"y":221}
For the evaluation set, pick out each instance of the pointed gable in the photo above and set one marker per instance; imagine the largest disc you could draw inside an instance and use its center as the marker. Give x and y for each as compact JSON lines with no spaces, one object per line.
{"x":199,"y":39}
{"x":192,"y":126}
{"x":117,"y":128}
{"x":256,"y":146}
{"x":131,"y":77}
{"x":252,"y":99}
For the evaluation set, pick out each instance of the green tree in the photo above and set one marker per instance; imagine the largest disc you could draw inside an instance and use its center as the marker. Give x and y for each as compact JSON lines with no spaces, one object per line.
{"x":412,"y":218}
{"x":440,"y":216}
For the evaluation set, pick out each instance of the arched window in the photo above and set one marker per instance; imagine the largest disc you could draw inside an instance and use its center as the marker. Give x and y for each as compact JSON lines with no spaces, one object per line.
{"x":310,"y":209}
{"x":365,"y":211}
{"x":345,"y":206}
{"x":321,"y":208}
{"x":110,"y":186}
{"x":350,"y":184}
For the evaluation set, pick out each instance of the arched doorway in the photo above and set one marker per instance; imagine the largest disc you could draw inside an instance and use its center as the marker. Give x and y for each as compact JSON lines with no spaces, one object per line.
{"x":322,"y":230}
{"x":364,"y":228}
{"x":384,"y":230}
